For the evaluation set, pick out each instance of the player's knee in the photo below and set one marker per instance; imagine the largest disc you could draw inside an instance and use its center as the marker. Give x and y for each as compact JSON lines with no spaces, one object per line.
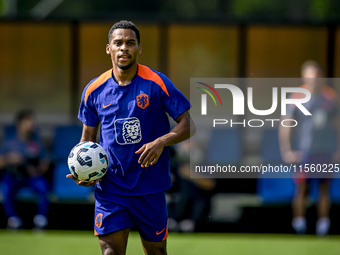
{"x":161,"y":251}
{"x":156,"y":251}
{"x":155,"y":248}
{"x":108,"y":252}
{"x":111,"y":249}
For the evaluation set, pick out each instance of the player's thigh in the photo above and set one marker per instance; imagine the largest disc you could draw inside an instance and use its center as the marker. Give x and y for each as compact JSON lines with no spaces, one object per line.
{"x":154,"y":248}
{"x":115,"y":242}
{"x":301,"y":187}
{"x":150,"y":216}
{"x":110,"y":216}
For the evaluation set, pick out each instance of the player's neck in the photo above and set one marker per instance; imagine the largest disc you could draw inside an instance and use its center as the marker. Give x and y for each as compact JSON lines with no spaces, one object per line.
{"x":124,"y":77}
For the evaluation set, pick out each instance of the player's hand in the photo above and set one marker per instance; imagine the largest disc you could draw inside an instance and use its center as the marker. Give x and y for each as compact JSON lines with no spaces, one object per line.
{"x":150,"y":153}
{"x":82,"y":182}
{"x":15,"y":158}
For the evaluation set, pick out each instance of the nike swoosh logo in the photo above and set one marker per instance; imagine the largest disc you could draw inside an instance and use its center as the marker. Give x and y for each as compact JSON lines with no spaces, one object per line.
{"x":158,"y":233}
{"x":104,"y":106}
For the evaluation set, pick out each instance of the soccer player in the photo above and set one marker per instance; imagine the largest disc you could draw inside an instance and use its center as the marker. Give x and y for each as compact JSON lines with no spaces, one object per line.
{"x":131,"y":102}
{"x":314,"y":138}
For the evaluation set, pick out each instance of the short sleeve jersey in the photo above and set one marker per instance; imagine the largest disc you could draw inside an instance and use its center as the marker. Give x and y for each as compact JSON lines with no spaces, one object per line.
{"x":315,"y":133}
{"x":130,"y":116}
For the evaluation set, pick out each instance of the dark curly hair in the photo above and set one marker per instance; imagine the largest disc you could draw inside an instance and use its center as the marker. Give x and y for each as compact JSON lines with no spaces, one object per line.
{"x":125,"y":24}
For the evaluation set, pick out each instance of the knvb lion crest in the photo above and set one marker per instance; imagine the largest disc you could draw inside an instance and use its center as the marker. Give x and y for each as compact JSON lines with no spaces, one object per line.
{"x":142,"y":101}
{"x":128,"y":131}
{"x":131,"y":131}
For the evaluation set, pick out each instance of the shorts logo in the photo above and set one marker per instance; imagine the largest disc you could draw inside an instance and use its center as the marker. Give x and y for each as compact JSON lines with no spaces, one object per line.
{"x":99,"y":220}
{"x":128,"y":131}
{"x":142,"y":101}
{"x":158,"y":233}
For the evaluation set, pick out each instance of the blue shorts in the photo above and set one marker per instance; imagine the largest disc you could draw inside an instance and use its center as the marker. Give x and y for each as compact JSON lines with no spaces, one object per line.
{"x":148,"y":213}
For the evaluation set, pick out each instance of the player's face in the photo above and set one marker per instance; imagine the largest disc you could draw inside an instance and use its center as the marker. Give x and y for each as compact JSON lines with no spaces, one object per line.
{"x":310,"y":75}
{"x":123,"y":48}
{"x":27,"y":125}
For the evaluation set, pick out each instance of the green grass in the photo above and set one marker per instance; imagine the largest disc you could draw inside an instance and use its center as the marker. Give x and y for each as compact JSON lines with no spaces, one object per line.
{"x":76,"y":242}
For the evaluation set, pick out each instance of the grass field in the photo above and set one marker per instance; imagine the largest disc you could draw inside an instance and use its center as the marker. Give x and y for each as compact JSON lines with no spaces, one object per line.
{"x":75,"y":242}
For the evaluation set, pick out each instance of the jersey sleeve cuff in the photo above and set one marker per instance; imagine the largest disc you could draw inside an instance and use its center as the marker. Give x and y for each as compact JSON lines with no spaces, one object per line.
{"x":87,"y":122}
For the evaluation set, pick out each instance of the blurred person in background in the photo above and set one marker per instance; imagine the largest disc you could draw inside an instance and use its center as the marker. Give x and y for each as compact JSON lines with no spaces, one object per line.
{"x":314,"y":136}
{"x":24,"y":162}
{"x":194,"y":194}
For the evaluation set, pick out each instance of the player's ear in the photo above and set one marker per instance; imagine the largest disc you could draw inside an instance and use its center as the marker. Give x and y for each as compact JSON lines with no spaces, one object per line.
{"x":108,"y":49}
{"x":139,"y":48}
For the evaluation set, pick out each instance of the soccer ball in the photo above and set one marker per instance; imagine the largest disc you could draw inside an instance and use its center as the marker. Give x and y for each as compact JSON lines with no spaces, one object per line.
{"x":88,"y":161}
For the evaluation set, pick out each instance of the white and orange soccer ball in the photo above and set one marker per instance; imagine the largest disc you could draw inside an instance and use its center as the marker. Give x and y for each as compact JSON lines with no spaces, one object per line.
{"x":88,"y":161}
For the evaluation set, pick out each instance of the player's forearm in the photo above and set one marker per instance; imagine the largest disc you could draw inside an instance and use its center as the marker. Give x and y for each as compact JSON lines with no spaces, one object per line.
{"x":204,"y":183}
{"x":86,"y":138}
{"x":88,"y":134}
{"x":184,"y":129}
{"x":284,"y":141}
